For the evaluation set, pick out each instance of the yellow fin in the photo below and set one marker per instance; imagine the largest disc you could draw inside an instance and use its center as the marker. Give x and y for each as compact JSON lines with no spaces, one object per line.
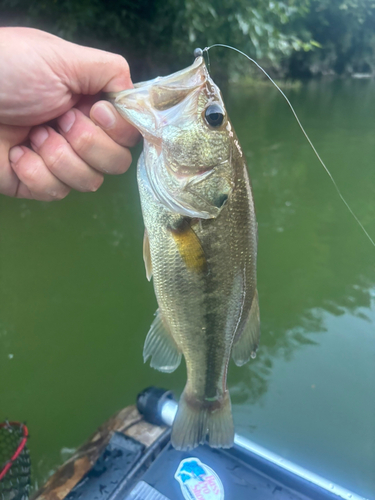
{"x":190,"y":247}
{"x":245,"y":347}
{"x":147,"y":255}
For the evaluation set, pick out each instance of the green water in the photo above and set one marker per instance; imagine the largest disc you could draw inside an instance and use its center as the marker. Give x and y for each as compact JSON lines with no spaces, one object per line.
{"x":75,"y":304}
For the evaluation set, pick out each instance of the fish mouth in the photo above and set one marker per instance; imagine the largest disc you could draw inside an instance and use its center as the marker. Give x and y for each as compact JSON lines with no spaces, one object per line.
{"x":182,"y":81}
{"x":146,"y":106}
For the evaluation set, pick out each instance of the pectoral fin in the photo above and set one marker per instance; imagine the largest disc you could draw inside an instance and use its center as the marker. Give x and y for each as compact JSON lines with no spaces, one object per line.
{"x":245,"y":347}
{"x":160,"y":345}
{"x":147,"y":255}
{"x":190,"y":247}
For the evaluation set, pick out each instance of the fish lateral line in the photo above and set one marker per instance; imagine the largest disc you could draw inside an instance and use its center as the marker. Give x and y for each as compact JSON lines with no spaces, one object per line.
{"x":200,"y":52}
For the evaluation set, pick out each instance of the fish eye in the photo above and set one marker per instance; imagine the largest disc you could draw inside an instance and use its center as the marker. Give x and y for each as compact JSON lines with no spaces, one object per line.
{"x":214,"y":115}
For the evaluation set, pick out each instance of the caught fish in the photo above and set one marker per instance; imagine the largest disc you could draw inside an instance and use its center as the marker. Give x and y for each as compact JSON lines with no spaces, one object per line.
{"x":200,"y":244}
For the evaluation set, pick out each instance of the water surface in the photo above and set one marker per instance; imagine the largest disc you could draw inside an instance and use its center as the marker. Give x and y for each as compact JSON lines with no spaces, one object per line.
{"x":75,"y":304}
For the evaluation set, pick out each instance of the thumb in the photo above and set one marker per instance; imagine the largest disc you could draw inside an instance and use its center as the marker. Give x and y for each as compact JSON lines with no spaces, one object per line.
{"x":90,"y":71}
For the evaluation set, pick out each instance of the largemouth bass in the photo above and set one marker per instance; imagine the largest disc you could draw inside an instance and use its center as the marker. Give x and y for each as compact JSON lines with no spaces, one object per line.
{"x":200,"y":244}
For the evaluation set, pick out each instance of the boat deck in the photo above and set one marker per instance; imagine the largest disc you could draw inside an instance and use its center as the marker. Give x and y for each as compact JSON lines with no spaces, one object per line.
{"x":129,"y":458}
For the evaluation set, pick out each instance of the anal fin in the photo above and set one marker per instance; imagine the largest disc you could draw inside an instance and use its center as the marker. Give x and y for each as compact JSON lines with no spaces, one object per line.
{"x":160,"y":345}
{"x":245,"y":347}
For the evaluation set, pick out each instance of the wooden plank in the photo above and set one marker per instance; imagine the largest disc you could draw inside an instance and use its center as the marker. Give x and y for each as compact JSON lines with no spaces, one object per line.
{"x":128,"y":421}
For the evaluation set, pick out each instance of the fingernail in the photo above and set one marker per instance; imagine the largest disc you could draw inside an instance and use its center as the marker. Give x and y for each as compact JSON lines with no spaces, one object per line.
{"x":66,"y":121}
{"x":103,"y":115}
{"x":38,"y":136}
{"x":15,"y":154}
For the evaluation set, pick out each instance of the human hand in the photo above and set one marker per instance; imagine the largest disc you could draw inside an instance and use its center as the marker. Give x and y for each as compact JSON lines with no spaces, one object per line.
{"x":44,"y":78}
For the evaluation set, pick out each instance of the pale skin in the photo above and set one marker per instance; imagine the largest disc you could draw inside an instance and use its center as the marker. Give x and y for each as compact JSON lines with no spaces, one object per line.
{"x":55,"y":133}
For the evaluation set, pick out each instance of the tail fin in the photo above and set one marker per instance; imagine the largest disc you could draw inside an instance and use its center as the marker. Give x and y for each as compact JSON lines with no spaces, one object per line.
{"x":197,"y":422}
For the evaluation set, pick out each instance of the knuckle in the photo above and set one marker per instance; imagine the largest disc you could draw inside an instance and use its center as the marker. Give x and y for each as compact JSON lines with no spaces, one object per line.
{"x":55,"y":160}
{"x":83,"y":142}
{"x":29,"y":171}
{"x":122,"y":62}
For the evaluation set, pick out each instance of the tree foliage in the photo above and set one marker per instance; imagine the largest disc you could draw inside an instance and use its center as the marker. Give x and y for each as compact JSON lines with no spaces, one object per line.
{"x":344,"y":32}
{"x":301,"y":37}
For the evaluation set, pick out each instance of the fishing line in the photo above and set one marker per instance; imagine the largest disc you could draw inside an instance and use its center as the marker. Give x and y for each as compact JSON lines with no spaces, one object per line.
{"x":206,"y":49}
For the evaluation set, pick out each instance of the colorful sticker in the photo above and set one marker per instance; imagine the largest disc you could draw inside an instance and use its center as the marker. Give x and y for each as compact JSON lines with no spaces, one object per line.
{"x":198,"y":481}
